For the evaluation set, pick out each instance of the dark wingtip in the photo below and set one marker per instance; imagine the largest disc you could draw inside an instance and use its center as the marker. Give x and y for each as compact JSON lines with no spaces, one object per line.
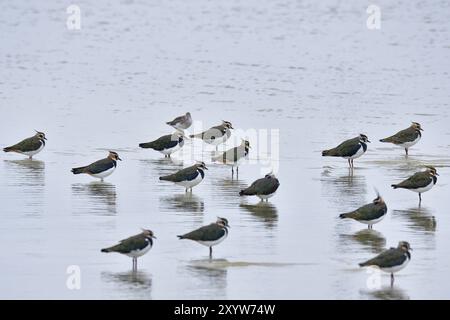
{"x":241,"y":193}
{"x":394,"y":186}
{"x":361,"y":264}
{"x":180,"y":237}
{"x":104,"y":250}
{"x":324,"y":153}
{"x":342,"y":216}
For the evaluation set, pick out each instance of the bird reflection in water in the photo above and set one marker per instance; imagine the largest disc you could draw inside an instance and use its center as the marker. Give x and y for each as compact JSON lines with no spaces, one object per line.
{"x":137,"y":282}
{"x":210,"y":275}
{"x":27,"y":171}
{"x":369,"y":238}
{"x":263,"y":211}
{"x":186,"y":202}
{"x":419,"y":218}
{"x":100,"y":197}
{"x":386,"y":293}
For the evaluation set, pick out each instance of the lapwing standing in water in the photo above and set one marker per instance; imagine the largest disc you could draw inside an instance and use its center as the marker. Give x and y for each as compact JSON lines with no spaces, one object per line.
{"x":188,"y":177}
{"x":406,"y":138}
{"x":369,"y":214}
{"x":263,"y":188}
{"x":349,"y":149}
{"x":134,"y":246}
{"x":391,"y":260}
{"x":29,"y":146}
{"x":101,"y":168}
{"x":181,"y":122}
{"x":420,"y":182}
{"x":234,"y":156}
{"x":215,"y":135}
{"x":167,"y":144}
{"x":210,"y":235}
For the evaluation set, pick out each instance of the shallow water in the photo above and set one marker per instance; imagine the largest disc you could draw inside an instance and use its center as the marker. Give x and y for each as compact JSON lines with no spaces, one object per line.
{"x":310,"y":69}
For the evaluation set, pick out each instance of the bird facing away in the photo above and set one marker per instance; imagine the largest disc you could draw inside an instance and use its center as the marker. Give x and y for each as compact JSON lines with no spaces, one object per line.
{"x":234,"y":156}
{"x":391,"y":260}
{"x":349,"y":149}
{"x":420,"y":182}
{"x":188,"y":177}
{"x":215,"y":135}
{"x":181,"y":122}
{"x":210,"y":235}
{"x":369,"y":214}
{"x":101,"y":168}
{"x":29,"y":146}
{"x":263,"y":188}
{"x":167,"y":144}
{"x":134,"y":246}
{"x":406,"y":138}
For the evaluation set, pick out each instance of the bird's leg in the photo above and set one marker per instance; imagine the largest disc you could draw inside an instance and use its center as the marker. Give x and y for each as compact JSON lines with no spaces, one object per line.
{"x":30,"y":157}
{"x":210,"y":252}
{"x":186,"y":190}
{"x":168,"y":156}
{"x":101,"y":180}
{"x":392,"y":279}
{"x":353,"y":164}
{"x":420,"y":198}
{"x":406,"y":150}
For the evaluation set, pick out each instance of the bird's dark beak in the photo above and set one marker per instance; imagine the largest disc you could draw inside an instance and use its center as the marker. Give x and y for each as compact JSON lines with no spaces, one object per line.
{"x":45,"y":138}
{"x":421,"y":129}
{"x":368,"y":141}
{"x":119,"y":159}
{"x":205,"y":168}
{"x":228,"y":226}
{"x":154,"y":237}
{"x":436,"y":173}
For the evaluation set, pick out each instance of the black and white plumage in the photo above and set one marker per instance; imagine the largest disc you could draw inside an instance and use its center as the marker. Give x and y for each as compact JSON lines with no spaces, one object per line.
{"x":210,"y":235}
{"x":349,"y":149}
{"x":215,"y":135}
{"x":234,"y":156}
{"x":135,"y":246}
{"x":181,"y":122}
{"x":391,"y":260}
{"x":188,"y":177}
{"x":420,"y":182}
{"x":369,"y":214}
{"x":101,"y":168}
{"x":167,"y":144}
{"x":30,"y":146}
{"x":406,"y":138}
{"x":263,"y":188}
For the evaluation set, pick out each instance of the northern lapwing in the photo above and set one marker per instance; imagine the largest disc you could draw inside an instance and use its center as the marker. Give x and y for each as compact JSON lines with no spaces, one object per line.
{"x":420,"y":182}
{"x":188,"y":177}
{"x":391,"y":260}
{"x":29,"y":146}
{"x":349,"y":149}
{"x":263,"y":188}
{"x":215,"y":135}
{"x":210,"y":235}
{"x":134,"y":246}
{"x":406,"y":138}
{"x":181,"y":122}
{"x":101,"y":168}
{"x":167,"y":144}
{"x":369,"y":214}
{"x":234,"y":156}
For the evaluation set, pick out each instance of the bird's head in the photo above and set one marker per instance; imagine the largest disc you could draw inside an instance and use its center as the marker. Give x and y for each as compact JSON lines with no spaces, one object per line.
{"x":416,"y":126}
{"x":270,"y":175}
{"x":227,"y":124}
{"x":201,"y":165}
{"x":363,"y":138}
{"x":40,"y":135}
{"x":114,"y":156}
{"x":432,"y":171}
{"x":222,"y":222}
{"x":148,"y":233}
{"x":404,"y":245}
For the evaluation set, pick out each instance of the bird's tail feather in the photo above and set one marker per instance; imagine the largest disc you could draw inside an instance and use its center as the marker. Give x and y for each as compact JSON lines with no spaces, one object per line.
{"x":329,"y":153}
{"x":8,"y":149}
{"x":165,"y":178}
{"x":394,"y":186}
{"x":146,"y":145}
{"x":78,"y":170}
{"x":180,"y":237}
{"x":106,"y":250}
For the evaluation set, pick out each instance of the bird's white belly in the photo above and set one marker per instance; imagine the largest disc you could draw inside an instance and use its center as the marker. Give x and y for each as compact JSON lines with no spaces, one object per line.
{"x":358,"y":153}
{"x":171,"y":150}
{"x":218,"y":140}
{"x":214,"y":242}
{"x":425,"y":189}
{"x":410,"y":143}
{"x":265,"y":196}
{"x":32,"y":153}
{"x":192,"y":183}
{"x":138,"y":253}
{"x":396,"y":268}
{"x":104,"y":174}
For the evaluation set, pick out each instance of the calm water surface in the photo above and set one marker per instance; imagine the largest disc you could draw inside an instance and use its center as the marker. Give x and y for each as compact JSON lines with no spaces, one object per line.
{"x":310,"y":69}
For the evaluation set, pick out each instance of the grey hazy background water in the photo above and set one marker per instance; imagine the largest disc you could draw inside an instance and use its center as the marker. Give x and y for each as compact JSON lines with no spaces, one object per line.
{"x":308,"y":68}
